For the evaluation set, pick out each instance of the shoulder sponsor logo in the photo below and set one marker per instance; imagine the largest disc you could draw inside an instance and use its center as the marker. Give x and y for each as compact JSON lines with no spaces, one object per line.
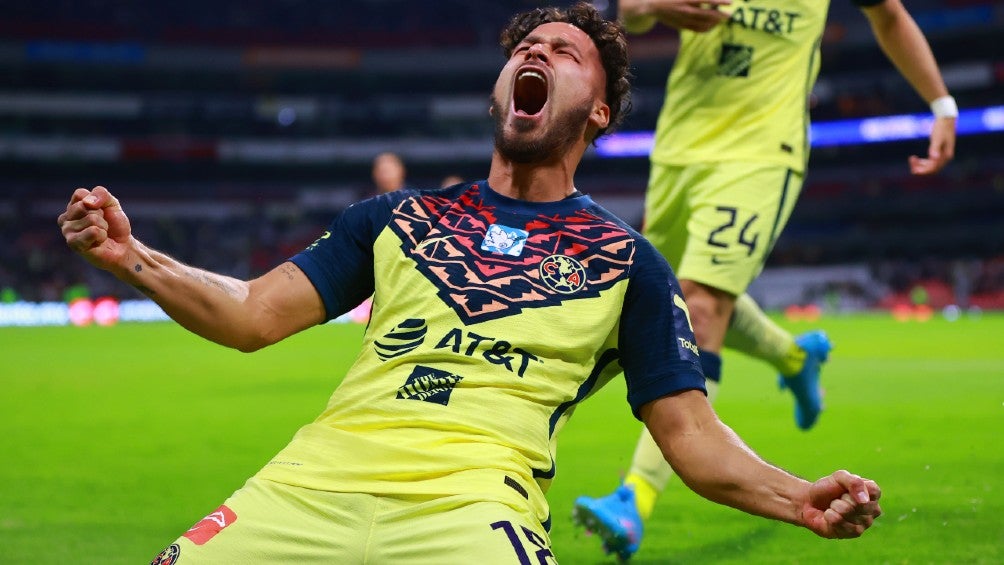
{"x":428,"y":384}
{"x":169,"y":556}
{"x":562,"y":274}
{"x":684,"y":334}
{"x":504,"y":240}
{"x":324,"y":236}
{"x":403,"y":338}
{"x":688,"y":345}
{"x":680,"y":303}
{"x":211,"y":525}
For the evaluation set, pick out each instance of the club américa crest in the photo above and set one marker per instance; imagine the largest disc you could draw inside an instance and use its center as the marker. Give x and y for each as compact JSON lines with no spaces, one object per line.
{"x":562,"y":274}
{"x":167,"y":557}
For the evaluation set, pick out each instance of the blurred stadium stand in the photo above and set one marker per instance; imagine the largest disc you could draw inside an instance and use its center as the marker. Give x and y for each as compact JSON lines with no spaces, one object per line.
{"x":234,"y":130}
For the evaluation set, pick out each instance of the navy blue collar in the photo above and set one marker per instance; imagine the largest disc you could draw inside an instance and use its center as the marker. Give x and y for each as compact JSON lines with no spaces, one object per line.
{"x":568,"y":205}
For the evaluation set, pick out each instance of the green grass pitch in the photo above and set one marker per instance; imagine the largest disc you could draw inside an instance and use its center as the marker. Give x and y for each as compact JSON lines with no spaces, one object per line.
{"x":116,"y":440}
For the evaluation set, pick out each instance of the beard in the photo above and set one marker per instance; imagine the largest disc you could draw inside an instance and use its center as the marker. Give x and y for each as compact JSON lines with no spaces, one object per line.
{"x":556,"y":138}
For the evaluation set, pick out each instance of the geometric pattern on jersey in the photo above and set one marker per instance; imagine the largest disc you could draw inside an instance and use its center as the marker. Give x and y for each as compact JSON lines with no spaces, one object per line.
{"x":444,"y":236}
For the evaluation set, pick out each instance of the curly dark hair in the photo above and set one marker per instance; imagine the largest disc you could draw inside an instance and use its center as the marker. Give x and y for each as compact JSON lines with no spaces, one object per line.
{"x":608,"y":37}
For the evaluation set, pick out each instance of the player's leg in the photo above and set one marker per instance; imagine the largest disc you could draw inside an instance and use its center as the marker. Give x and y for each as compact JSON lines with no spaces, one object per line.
{"x":715,"y":224}
{"x":668,"y":209}
{"x":618,"y":518}
{"x":743,"y":211}
{"x":649,"y":473}
{"x":798,"y":360}
{"x":265,"y":521}
{"x":457,"y":530}
{"x":753,"y":333}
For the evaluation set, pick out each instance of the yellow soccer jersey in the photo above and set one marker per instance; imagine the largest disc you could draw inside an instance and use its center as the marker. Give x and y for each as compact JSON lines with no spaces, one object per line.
{"x":740,"y":91}
{"x":492,"y":319}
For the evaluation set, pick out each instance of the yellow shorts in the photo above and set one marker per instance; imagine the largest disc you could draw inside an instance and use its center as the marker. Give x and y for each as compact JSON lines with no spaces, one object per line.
{"x":269,"y":522}
{"x":716,"y":223}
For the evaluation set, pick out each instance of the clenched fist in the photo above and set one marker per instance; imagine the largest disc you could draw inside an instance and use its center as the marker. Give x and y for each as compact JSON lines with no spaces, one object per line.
{"x":95,"y":226}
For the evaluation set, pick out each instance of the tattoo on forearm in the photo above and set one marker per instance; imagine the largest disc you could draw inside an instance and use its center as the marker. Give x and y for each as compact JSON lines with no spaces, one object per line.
{"x":144,"y":289}
{"x":215,"y":281}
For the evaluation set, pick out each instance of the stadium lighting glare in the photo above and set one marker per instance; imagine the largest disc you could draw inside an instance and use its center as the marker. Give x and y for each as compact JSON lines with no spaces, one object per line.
{"x":835,"y":133}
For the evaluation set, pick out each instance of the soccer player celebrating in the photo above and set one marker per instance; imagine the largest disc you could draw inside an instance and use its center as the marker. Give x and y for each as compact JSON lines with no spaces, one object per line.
{"x":438,"y":445}
{"x":730,"y":155}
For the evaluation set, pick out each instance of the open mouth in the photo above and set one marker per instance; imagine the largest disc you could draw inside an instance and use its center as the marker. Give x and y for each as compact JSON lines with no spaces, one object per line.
{"x":529,"y":93}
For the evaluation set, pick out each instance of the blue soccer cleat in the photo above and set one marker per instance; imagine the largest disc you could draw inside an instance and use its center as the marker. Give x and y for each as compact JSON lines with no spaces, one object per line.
{"x":614,"y":518}
{"x":805,"y":385}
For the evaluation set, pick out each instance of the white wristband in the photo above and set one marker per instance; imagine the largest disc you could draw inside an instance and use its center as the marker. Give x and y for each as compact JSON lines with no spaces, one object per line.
{"x":945,"y":107}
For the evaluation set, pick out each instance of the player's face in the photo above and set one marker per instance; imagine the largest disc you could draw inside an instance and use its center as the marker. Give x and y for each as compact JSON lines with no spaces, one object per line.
{"x":548,"y":93}
{"x":388,"y":173}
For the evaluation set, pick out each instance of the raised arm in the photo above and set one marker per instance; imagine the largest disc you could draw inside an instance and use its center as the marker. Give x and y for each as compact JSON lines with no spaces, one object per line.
{"x":245,"y":315}
{"x":638,"y":16}
{"x":712,"y":460}
{"x":905,"y":45}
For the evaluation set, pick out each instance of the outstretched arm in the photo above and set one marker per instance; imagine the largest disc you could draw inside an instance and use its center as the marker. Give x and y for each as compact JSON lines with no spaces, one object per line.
{"x":905,"y":45}
{"x":245,"y":315}
{"x":712,"y":460}
{"x":638,"y":16}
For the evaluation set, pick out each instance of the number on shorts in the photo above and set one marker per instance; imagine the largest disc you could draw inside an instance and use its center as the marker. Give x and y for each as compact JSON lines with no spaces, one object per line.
{"x":716,"y":236}
{"x":542,"y":552}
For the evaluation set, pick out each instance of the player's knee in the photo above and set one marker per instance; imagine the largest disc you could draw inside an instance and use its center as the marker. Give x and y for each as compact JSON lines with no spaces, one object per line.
{"x":710,"y":309}
{"x":707,"y":300}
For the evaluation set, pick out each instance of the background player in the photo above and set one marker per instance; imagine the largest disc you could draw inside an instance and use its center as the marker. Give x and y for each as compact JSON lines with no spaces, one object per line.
{"x":729,"y":160}
{"x":389,"y":172}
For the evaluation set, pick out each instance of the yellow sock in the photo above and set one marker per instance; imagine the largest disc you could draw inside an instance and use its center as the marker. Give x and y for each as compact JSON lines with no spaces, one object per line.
{"x":649,"y":472}
{"x":753,"y":333}
{"x":792,"y":362}
{"x":644,"y":494}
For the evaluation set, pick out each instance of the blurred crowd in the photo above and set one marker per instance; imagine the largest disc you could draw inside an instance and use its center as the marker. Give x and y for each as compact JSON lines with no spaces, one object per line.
{"x":37,"y":266}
